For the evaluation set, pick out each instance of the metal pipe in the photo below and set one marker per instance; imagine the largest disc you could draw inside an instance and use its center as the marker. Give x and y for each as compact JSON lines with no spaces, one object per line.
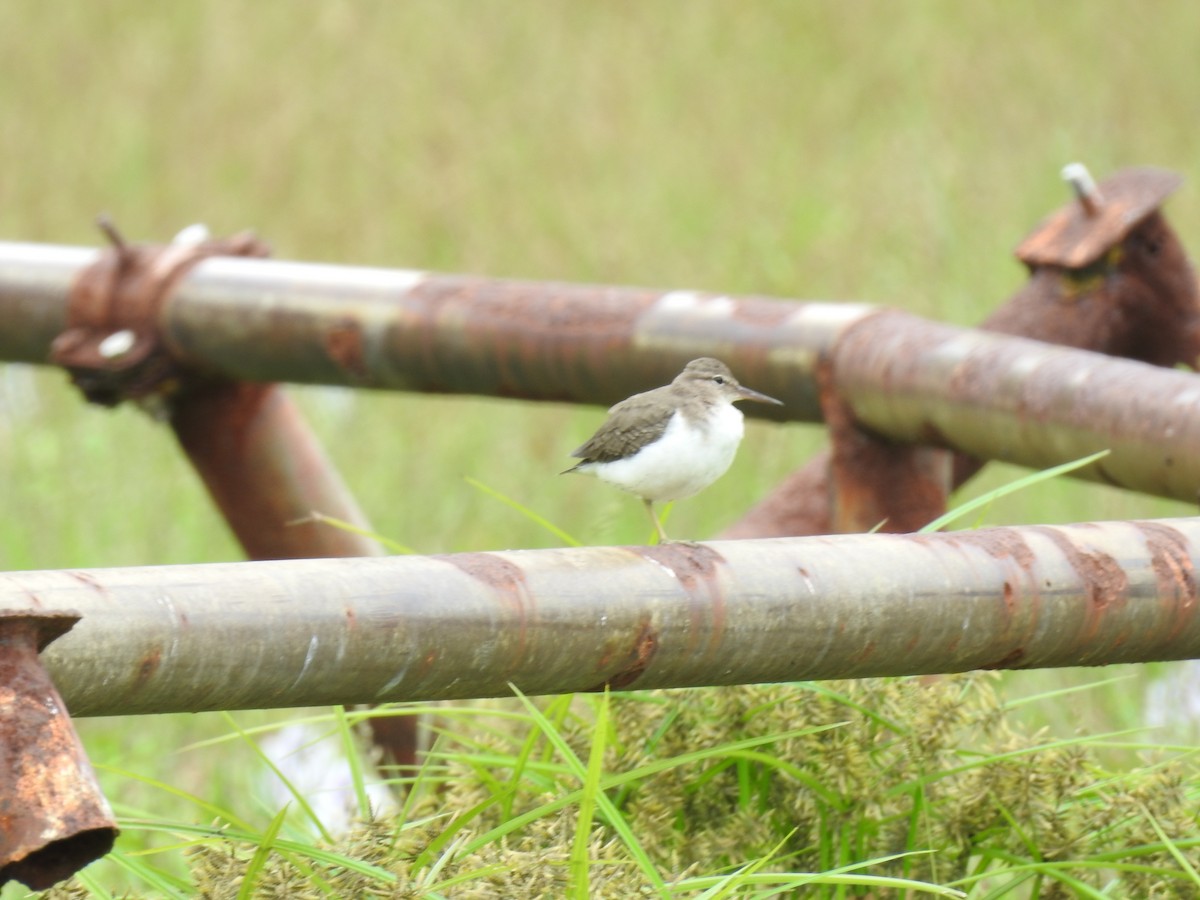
{"x":1023,"y":401}
{"x":266,"y":472}
{"x":307,"y":632}
{"x":270,"y":320}
{"x":989,"y":395}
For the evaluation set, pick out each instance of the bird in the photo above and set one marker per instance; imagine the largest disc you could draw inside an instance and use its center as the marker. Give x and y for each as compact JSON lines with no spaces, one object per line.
{"x":671,"y":442}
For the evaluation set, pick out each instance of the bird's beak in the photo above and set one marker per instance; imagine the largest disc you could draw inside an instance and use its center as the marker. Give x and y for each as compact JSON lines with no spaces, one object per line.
{"x":746,"y":394}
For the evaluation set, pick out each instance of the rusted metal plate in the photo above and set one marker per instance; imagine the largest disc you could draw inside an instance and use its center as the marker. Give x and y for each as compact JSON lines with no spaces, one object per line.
{"x":1078,"y":234}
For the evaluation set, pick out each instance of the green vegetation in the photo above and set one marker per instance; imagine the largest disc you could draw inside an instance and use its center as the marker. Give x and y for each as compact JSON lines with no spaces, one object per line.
{"x":891,"y":153}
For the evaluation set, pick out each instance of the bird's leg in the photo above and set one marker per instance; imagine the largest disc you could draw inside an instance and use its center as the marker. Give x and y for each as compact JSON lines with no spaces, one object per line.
{"x":662,"y":535}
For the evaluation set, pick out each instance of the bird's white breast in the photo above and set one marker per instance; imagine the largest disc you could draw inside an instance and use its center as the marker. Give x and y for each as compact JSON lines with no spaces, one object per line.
{"x":684,"y":461}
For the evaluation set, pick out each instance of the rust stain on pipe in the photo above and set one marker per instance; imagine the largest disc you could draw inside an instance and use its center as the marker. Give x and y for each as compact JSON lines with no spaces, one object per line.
{"x":53,"y":818}
{"x":1020,"y":594}
{"x":1174,"y":571}
{"x":344,"y":343}
{"x":637,"y":660}
{"x":998,"y":543}
{"x":507,"y":583}
{"x":1102,"y":576}
{"x":697,"y":568}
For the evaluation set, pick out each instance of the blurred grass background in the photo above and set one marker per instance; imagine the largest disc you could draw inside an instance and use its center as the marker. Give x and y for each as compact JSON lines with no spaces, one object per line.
{"x":836,"y":151}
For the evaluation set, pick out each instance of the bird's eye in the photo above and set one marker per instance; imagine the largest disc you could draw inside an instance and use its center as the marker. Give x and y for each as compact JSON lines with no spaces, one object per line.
{"x":719,"y":379}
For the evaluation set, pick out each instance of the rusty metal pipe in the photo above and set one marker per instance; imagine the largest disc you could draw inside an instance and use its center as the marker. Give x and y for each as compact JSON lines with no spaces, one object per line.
{"x":307,"y":632}
{"x":53,"y":818}
{"x":1023,"y":401}
{"x":904,"y":377}
{"x":269,"y":320}
{"x":266,"y":471}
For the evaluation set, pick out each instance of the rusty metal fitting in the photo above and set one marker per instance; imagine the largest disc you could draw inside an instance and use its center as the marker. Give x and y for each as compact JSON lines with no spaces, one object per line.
{"x":873,"y":482}
{"x":113,"y":345}
{"x":1080,"y":233}
{"x":53,"y":818}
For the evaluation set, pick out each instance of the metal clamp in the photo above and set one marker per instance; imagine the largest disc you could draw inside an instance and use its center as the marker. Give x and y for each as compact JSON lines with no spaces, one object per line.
{"x":113,"y":345}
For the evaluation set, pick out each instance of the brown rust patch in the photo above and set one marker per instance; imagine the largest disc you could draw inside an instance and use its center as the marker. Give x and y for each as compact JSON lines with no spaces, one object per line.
{"x":425,"y":666}
{"x":1101,"y":576}
{"x":1019,"y":593}
{"x":1009,"y":597}
{"x":693,"y":564}
{"x":875,"y":480}
{"x":867,"y":651}
{"x":1009,"y":660}
{"x":507,"y":582}
{"x":549,"y":329}
{"x":495,"y":571}
{"x":697,"y":567}
{"x":147,"y":667}
{"x":999,"y":543}
{"x":89,"y":579}
{"x":344,"y":344}
{"x":637,"y":660}
{"x":1174,"y":573}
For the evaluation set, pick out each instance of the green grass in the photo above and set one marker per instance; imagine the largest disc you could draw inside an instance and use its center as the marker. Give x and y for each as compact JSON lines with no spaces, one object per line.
{"x":824,"y":790}
{"x":891,"y":153}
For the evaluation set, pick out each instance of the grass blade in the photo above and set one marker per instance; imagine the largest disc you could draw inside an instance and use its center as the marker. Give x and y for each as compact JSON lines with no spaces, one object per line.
{"x":1020,"y":484}
{"x":524,"y":511}
{"x":354,"y":761}
{"x":580,"y":861}
{"x":320,"y":518}
{"x":257,"y":862}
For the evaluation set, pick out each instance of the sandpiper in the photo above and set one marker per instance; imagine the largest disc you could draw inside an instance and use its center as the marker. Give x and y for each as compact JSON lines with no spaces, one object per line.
{"x":671,"y":442}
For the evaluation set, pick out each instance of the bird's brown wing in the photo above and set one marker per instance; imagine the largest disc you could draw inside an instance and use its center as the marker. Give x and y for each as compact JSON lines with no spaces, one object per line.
{"x":631,"y":424}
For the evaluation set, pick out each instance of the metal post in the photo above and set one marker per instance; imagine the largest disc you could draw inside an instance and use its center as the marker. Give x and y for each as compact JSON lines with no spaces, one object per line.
{"x":53,"y":818}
